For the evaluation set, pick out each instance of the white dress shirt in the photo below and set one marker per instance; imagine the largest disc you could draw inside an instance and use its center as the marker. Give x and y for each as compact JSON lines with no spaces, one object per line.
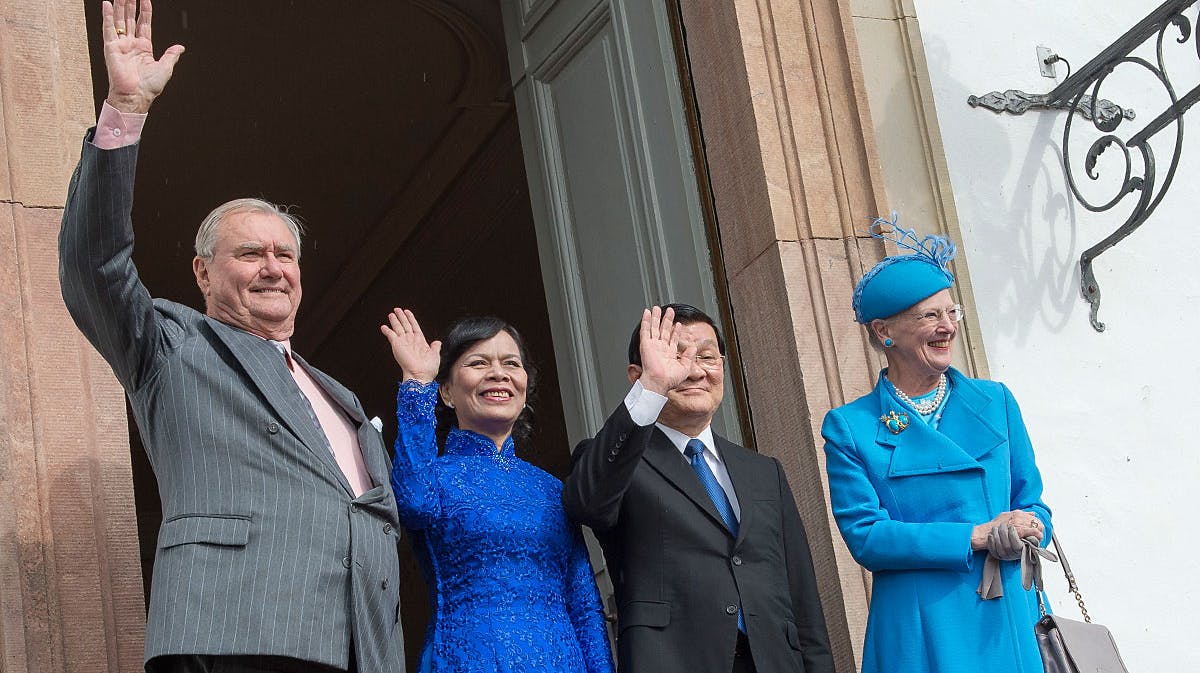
{"x":644,"y":406}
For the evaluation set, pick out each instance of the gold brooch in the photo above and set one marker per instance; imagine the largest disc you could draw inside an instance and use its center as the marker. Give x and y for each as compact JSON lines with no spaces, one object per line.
{"x":895,"y":423}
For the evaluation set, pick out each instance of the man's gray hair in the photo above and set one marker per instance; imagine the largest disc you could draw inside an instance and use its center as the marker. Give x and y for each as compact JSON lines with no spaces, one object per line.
{"x":206,"y":235}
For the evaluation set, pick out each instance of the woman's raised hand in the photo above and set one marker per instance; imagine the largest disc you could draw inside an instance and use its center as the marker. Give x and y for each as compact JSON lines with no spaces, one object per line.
{"x":664,"y":366}
{"x":418,"y":359}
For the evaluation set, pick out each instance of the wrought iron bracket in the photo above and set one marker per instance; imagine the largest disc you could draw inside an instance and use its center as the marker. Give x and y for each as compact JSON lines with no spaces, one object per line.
{"x":1015,"y":101}
{"x":1080,"y":94}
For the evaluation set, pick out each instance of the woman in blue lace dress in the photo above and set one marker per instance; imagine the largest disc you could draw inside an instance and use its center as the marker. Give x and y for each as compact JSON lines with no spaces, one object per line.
{"x":509,"y":580}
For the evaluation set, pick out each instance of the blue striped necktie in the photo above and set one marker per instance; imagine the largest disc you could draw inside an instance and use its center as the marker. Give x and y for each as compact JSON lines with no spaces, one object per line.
{"x":695,"y":454}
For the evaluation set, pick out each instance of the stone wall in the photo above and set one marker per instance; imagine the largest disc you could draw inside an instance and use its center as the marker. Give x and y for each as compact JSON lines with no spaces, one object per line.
{"x":70,"y":583}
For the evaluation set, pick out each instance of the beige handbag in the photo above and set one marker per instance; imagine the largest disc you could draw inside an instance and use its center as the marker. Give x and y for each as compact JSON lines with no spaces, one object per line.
{"x":1070,"y":646}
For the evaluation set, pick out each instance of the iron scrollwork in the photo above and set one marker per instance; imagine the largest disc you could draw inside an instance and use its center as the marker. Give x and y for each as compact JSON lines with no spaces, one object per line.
{"x":1080,"y":94}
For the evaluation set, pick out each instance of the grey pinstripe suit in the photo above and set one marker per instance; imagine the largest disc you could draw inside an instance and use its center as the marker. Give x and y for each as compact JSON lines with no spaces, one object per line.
{"x":263,"y":547}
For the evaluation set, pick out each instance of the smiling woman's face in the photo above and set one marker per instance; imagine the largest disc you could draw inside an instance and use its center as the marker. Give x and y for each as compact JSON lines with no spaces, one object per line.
{"x":921,"y":347}
{"x":487,"y":386}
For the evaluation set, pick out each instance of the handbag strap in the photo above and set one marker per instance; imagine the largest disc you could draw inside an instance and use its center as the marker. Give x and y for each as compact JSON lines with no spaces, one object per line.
{"x":1071,"y":583}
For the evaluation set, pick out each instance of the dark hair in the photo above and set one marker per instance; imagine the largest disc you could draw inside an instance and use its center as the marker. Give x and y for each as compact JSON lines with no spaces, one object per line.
{"x":685,"y":314}
{"x":462,"y":335}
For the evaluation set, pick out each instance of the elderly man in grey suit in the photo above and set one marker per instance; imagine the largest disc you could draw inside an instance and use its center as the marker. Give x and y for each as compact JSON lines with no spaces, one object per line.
{"x":278,"y":548}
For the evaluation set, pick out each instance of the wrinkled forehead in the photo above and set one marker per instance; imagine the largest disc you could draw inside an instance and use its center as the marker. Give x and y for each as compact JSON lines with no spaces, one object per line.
{"x":253,"y":229}
{"x":700,"y":334}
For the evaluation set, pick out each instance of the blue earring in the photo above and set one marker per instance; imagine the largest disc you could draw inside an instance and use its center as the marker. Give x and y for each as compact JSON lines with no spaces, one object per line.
{"x":888,"y":343}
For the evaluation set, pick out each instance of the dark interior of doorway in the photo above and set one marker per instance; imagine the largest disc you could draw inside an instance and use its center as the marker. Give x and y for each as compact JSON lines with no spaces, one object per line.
{"x":391,"y":129}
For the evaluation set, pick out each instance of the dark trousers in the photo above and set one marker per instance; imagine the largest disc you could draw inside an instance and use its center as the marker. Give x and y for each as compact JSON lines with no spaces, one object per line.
{"x":198,"y":663}
{"x":742,"y":661}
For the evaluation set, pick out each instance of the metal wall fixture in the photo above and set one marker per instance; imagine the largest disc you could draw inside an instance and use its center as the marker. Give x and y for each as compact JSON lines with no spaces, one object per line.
{"x":1080,"y":93}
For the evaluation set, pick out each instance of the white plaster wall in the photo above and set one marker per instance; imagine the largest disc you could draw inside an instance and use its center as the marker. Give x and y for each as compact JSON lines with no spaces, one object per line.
{"x":1114,"y":416}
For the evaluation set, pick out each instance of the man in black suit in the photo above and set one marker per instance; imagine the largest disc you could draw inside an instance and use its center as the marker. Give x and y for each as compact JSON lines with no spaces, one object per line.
{"x":707,"y":552}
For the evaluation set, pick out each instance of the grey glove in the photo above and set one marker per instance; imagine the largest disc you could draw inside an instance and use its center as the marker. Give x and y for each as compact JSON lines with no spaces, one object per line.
{"x":1031,"y":563}
{"x":1004,"y":545}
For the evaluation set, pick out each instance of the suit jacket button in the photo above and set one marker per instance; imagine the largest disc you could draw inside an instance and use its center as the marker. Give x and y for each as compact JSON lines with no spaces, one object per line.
{"x":731,"y":609}
{"x":613,"y":452}
{"x":612,"y":459}
{"x":273,"y":427}
{"x":737,"y":560}
{"x":387,"y":530}
{"x":346,"y":562}
{"x":383,"y":585}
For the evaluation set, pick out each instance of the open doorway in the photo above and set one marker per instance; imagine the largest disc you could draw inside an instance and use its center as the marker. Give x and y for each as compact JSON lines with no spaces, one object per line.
{"x":391,"y":129}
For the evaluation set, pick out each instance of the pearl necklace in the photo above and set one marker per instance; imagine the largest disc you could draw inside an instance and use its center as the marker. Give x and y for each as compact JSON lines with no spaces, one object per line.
{"x":928,"y":406}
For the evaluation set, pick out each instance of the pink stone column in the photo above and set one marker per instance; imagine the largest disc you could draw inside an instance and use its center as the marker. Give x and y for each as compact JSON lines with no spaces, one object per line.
{"x":790,"y":155}
{"x":70,"y":580}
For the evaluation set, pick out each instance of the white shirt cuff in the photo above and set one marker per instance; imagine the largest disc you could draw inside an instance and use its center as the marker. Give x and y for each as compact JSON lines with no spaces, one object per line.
{"x":643,"y":405}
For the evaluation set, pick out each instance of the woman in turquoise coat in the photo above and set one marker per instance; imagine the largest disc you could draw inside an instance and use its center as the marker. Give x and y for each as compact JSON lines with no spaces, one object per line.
{"x":932,"y":481}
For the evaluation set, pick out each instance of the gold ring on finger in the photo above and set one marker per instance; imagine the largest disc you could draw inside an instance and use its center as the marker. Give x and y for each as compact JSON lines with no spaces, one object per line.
{"x":120,"y":31}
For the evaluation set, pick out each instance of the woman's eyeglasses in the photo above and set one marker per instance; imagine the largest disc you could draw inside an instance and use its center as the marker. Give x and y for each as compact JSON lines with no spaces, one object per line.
{"x":934,"y":316}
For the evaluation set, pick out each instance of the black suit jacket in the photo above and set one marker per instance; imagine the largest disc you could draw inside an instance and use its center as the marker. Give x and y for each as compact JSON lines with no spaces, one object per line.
{"x":679,"y":573}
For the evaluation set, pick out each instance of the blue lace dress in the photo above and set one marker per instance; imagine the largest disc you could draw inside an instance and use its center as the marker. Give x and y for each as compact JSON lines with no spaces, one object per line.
{"x":509,"y":580}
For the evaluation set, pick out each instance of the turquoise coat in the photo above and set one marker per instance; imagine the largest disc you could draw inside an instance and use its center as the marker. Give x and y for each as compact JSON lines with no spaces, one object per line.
{"x":906,"y":504}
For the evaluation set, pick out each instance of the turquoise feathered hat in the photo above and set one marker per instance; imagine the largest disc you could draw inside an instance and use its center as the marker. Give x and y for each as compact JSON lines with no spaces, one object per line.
{"x":900,"y":281}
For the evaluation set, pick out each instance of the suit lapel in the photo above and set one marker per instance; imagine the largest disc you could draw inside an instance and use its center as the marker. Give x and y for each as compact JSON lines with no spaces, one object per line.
{"x":964,"y":421}
{"x":670,"y":463}
{"x":375,"y":461}
{"x":266,"y":368}
{"x":337,"y":391}
{"x":960,"y":440}
{"x":741,"y":475}
{"x":368,"y":436}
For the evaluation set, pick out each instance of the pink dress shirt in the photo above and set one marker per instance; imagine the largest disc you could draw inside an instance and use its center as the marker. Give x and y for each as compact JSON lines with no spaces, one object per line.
{"x":116,"y":129}
{"x":342,"y":435}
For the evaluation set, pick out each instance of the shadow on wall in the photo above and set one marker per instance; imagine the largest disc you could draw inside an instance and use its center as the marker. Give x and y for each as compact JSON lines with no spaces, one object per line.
{"x":1025,"y":233}
{"x":1033,"y":235}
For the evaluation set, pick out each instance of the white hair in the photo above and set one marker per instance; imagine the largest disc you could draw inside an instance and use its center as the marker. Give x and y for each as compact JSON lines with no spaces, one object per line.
{"x":206,"y":235}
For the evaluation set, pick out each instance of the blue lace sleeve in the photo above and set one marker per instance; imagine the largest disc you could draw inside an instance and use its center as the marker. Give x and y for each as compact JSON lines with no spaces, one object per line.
{"x":414,"y":470}
{"x":585,"y":609}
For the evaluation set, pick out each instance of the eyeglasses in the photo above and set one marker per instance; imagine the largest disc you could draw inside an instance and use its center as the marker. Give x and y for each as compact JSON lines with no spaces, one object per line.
{"x":934,"y":316}
{"x":709,"y":362}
